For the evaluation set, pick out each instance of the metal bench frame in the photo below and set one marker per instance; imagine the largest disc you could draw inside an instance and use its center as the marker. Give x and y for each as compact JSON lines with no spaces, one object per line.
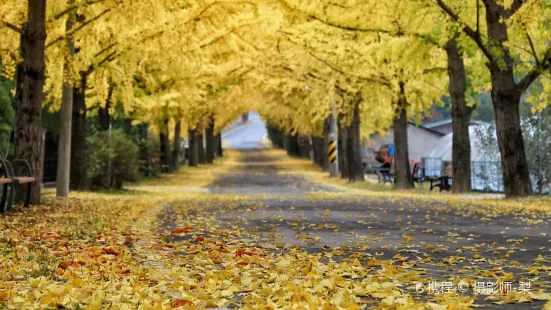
{"x":7,"y":172}
{"x":442,"y":182}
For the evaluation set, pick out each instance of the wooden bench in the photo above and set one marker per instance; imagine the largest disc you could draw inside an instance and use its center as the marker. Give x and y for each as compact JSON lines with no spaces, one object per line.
{"x":9,"y":180}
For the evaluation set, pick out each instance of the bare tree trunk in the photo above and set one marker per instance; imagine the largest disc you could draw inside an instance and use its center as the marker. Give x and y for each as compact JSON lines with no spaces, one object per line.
{"x":343,"y":151}
{"x":293,"y":146}
{"x":64,"y":153}
{"x":79,"y":157}
{"x":65,"y":121}
{"x":104,"y":118}
{"x":461,"y":116}
{"x":402,"y":172}
{"x":166,"y":155}
{"x":219,"y":141}
{"x":506,"y":96}
{"x":30,"y":95}
{"x":177,"y":145}
{"x":192,"y":148}
{"x":144,"y":151}
{"x":209,"y":132}
{"x":511,"y":144}
{"x":304,"y":146}
{"x":317,"y":146}
{"x":201,"y":148}
{"x":354,"y":146}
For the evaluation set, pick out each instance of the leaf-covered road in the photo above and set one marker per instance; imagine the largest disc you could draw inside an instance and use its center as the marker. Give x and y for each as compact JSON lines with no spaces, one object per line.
{"x":263,"y":201}
{"x":258,"y":230}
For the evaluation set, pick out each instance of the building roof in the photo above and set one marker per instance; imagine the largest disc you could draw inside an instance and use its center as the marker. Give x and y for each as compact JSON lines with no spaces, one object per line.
{"x":448,"y":121}
{"x":427,"y":129}
{"x":444,"y":146}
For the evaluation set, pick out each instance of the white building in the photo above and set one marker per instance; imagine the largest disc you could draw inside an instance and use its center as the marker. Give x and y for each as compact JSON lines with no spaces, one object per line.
{"x":420,"y":140}
{"x":485,"y":165}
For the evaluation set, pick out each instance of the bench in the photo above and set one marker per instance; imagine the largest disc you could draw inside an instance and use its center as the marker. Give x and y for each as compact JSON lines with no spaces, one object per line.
{"x":442,"y":182}
{"x":384,"y":175}
{"x":9,"y":180}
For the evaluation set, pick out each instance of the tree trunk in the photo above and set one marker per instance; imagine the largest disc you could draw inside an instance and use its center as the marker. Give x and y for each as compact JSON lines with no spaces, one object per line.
{"x":79,"y":157}
{"x":287,"y":142}
{"x":516,"y":177}
{"x":144,"y":151}
{"x":343,"y":151}
{"x":326,"y":131}
{"x":65,"y":115}
{"x":219,"y":148}
{"x":30,"y":94}
{"x":402,"y":171}
{"x":64,"y":153}
{"x":177,"y":146}
{"x":166,"y":155}
{"x":293,"y":146}
{"x":354,"y":146}
{"x":317,"y":146}
{"x":192,"y":148}
{"x":209,"y":132}
{"x":104,"y":119}
{"x":506,"y":99}
{"x":304,"y":146}
{"x":461,"y":116}
{"x":201,"y":148}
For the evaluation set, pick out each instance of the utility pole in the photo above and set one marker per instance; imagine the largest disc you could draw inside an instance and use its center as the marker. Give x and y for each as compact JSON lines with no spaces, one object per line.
{"x":333,"y":143}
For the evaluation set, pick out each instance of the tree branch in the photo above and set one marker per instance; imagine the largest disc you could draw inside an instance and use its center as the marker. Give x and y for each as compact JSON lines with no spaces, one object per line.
{"x":473,"y":34}
{"x":105,"y":49}
{"x":71,"y":8}
{"x":398,"y":33}
{"x":110,"y":57}
{"x":478,"y":17}
{"x":13,"y":56}
{"x":70,"y":33}
{"x":532,"y":48}
{"x":533,"y":75}
{"x":508,"y":13}
{"x":377,"y":80}
{"x":11,"y":26}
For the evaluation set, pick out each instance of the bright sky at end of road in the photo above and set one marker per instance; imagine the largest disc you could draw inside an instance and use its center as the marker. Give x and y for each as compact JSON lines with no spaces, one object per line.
{"x":248,"y":136}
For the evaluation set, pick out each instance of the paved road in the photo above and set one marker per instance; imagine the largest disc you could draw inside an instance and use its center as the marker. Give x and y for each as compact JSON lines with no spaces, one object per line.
{"x":266,"y":203}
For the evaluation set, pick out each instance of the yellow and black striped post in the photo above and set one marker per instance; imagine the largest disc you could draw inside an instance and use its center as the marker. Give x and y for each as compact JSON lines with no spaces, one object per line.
{"x":332,"y":151}
{"x":333,"y":143}
{"x":333,"y":155}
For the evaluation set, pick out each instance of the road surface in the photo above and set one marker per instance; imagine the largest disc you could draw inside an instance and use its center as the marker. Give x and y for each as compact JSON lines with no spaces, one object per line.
{"x":265,"y":202}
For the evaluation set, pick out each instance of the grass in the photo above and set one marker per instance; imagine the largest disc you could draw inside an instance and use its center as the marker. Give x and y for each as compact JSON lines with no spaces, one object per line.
{"x":311,"y":172}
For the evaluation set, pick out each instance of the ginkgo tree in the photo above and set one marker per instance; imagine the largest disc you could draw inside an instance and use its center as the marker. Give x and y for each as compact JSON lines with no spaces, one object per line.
{"x":400,"y":74}
{"x":106,"y":36}
{"x":511,"y":36}
{"x":413,"y":20}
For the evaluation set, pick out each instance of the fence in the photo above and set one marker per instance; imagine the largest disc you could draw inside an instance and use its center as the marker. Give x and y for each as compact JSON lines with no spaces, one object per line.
{"x":486,"y":176}
{"x":433,"y":166}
